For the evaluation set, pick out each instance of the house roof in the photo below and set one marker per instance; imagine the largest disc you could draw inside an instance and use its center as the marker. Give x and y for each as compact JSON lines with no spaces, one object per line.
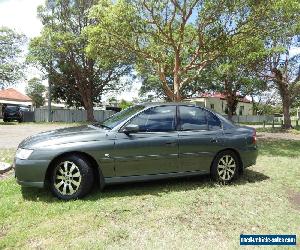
{"x":222,"y":96}
{"x":12,"y":94}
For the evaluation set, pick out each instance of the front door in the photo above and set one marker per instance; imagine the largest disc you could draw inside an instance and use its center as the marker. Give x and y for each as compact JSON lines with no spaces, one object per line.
{"x":152,"y":150}
{"x":200,"y":138}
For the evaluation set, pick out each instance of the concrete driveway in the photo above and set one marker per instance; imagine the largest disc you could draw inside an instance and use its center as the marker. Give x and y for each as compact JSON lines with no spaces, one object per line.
{"x":11,"y":135}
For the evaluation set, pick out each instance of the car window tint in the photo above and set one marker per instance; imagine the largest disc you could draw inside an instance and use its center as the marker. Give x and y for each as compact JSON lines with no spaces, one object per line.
{"x":192,"y":118}
{"x":157,"y":119}
{"x":11,"y":108}
{"x":214,"y":122}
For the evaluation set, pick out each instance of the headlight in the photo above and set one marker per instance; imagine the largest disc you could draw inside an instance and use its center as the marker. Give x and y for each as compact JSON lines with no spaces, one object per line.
{"x":23,"y":153}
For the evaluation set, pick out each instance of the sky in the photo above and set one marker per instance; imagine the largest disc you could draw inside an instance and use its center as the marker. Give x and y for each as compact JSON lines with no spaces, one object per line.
{"x":21,"y":15}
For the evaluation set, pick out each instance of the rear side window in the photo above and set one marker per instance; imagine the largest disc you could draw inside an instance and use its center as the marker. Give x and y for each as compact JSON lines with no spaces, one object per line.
{"x":213,"y":121}
{"x":194,"y":118}
{"x":157,"y":119}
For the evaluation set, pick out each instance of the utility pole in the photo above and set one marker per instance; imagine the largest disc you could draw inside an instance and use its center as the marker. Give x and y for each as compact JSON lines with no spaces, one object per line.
{"x":49,"y":94}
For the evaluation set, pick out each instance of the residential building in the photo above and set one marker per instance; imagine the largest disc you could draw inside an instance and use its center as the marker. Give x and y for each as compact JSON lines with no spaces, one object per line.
{"x":217,"y":102}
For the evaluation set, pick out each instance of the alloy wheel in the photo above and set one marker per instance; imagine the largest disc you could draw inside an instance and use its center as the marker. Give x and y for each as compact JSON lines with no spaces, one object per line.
{"x":226,"y":167}
{"x":67,"y":178}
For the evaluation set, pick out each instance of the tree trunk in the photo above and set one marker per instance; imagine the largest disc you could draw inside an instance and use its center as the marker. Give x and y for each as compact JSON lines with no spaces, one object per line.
{"x":231,"y":105}
{"x":90,"y":112}
{"x":285,"y":97}
{"x":231,"y":99}
{"x":86,"y":95}
{"x":177,"y":95}
{"x":177,"y":79}
{"x":286,"y":113}
{"x":254,"y":112}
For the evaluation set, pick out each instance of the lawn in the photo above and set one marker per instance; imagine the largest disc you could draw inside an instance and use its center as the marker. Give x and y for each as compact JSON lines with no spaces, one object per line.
{"x":183,"y":213}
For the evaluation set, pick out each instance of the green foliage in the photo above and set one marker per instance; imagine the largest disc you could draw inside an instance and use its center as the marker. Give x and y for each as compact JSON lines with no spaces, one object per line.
{"x":183,"y":47}
{"x":267,"y":109}
{"x":60,"y":51}
{"x":11,"y":66}
{"x":125,"y":104}
{"x":35,"y":90}
{"x":173,"y":41}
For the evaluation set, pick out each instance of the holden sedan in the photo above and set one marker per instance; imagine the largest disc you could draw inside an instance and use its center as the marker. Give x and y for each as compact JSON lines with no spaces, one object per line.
{"x":143,"y":142}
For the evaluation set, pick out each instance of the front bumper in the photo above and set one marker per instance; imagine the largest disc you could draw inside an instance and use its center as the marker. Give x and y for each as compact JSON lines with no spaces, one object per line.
{"x":31,"y":173}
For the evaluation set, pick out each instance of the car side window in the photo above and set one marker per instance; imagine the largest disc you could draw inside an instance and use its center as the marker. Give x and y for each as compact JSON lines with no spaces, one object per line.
{"x":156,"y":119}
{"x":213,"y":121}
{"x":192,"y":118}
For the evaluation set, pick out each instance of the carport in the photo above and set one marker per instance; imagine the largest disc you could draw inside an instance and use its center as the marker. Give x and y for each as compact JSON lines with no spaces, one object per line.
{"x":13,"y":97}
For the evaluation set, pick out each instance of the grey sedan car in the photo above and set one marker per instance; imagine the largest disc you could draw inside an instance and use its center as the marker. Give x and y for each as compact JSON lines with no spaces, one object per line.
{"x":144,"y":142}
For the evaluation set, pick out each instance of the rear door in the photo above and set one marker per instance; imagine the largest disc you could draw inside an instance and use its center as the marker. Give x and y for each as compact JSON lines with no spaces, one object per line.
{"x":200,"y":138}
{"x":152,"y":150}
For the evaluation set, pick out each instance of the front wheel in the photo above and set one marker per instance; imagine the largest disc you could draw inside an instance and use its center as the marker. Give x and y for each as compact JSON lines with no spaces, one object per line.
{"x":71,"y":178}
{"x":225,"y":166}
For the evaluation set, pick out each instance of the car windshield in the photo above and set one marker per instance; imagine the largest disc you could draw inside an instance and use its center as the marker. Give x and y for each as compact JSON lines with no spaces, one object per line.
{"x":11,"y":108}
{"x":119,"y":117}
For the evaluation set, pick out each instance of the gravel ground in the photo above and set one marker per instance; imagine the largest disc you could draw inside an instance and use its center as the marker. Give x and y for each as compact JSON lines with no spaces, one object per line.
{"x":12,"y":135}
{"x":278,"y":136}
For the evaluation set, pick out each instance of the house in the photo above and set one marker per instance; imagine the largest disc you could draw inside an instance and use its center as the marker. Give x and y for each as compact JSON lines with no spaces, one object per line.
{"x":217,"y":102}
{"x":13,"y":97}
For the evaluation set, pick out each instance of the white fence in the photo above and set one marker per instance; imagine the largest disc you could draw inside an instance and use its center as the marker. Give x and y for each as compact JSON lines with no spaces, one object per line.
{"x":255,"y":118}
{"x":261,"y":119}
{"x":70,"y":115}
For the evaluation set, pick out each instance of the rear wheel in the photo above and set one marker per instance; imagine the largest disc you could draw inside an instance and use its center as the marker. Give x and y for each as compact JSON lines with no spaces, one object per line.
{"x":71,"y":178}
{"x":225,"y":166}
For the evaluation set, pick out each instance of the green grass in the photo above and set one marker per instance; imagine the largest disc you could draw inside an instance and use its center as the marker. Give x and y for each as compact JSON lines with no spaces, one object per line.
{"x":6,"y":155}
{"x":188,"y":213}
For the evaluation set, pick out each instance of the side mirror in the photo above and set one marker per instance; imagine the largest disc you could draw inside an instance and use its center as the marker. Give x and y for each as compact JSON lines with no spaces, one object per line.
{"x":131,"y":128}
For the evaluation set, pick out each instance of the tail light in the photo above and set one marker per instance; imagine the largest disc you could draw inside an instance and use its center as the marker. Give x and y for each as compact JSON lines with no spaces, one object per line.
{"x":254,"y":140}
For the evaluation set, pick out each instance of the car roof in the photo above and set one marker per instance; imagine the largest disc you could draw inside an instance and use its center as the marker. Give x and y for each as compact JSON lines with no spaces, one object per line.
{"x":152,"y":104}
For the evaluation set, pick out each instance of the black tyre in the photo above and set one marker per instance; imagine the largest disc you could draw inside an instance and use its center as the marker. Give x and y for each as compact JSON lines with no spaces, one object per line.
{"x":72,"y":177}
{"x":5,"y":120}
{"x":225,"y":166}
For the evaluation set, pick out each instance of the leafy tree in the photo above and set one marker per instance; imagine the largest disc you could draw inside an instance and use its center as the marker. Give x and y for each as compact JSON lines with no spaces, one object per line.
{"x":174,"y":40}
{"x":125,"y":104}
{"x":35,"y":90}
{"x":236,"y":73}
{"x":282,"y":70}
{"x":285,"y":76}
{"x":11,"y":66}
{"x":76,"y":77}
{"x":241,"y":69}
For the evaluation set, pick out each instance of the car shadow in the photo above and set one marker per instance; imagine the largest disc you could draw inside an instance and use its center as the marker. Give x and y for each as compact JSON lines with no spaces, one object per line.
{"x":156,"y":188}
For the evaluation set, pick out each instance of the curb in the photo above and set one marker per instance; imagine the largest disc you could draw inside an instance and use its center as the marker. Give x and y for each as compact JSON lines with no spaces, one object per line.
{"x":5,"y":167}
